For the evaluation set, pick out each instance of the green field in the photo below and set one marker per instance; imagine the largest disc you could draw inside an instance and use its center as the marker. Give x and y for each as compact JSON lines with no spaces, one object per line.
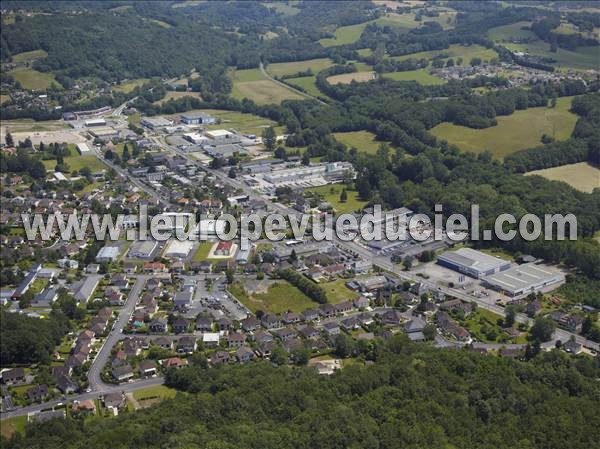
{"x":253,"y":85}
{"x":280,"y":297}
{"x":338,"y":292}
{"x":421,"y":76}
{"x":76,"y":162}
{"x":454,"y":51}
{"x":12,"y":425}
{"x":331,"y":193}
{"x":32,"y":79}
{"x":201,"y":253}
{"x":584,"y":58}
{"x":512,"y":31}
{"x":29,"y":55}
{"x":129,"y":85}
{"x":287,"y":9}
{"x":582,"y":176}
{"x":160,"y":391}
{"x":522,"y":129}
{"x":363,"y":141}
{"x":351,"y":33}
{"x":308,"y":84}
{"x":242,"y":122}
{"x":291,"y":68}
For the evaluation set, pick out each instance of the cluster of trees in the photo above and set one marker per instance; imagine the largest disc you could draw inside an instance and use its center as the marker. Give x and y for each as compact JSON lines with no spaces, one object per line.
{"x":555,"y":154}
{"x":411,"y":397}
{"x":25,"y":339}
{"x":306,"y":286}
{"x":22,"y":163}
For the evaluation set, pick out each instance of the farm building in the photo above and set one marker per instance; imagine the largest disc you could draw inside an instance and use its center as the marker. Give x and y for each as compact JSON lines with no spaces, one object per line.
{"x":523,"y":279}
{"x":472,"y":263}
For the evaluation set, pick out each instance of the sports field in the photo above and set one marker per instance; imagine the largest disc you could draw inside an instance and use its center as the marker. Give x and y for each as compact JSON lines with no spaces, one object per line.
{"x":32,"y":79}
{"x":522,"y":129}
{"x":253,"y":85}
{"x":582,"y":176}
{"x":420,"y":76}
{"x":291,"y":68}
{"x":347,"y":78}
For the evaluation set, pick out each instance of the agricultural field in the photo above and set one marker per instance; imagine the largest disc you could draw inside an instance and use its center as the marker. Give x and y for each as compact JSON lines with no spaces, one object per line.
{"x":129,"y":85}
{"x":253,"y":85}
{"x":510,"y":32}
{"x":280,"y":297}
{"x":420,"y":76}
{"x":308,"y":84}
{"x":29,"y":56}
{"x":287,"y":9}
{"x":32,"y":79}
{"x":363,"y":141}
{"x":466,"y":52}
{"x":522,"y":129}
{"x":175,"y":95}
{"x":331,"y":194}
{"x":347,"y":78}
{"x":583,"y":59}
{"x":291,"y":68}
{"x":582,"y":176}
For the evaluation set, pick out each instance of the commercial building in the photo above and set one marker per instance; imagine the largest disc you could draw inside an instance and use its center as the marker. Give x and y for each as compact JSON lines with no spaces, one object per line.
{"x":83,"y":148}
{"x":472,"y":263}
{"x":222,"y":137}
{"x":178,"y":248}
{"x":225,"y":151}
{"x":142,"y":249}
{"x":197,"y":118}
{"x":104,"y":133}
{"x":85,"y":288}
{"x":95,"y":122}
{"x":330,"y":172}
{"x":107,"y":254}
{"x":523,"y":279}
{"x":155,"y":123}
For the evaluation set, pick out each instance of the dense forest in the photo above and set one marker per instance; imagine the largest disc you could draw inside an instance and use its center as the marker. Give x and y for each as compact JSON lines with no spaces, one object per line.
{"x":30,"y":340}
{"x":413,"y":396}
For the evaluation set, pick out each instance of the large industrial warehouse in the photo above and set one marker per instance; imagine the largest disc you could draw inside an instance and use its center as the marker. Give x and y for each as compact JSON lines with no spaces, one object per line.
{"x":523,"y":279}
{"x":472,"y":263}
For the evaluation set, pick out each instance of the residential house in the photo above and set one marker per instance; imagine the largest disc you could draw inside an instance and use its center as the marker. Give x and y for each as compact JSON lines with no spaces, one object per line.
{"x":309,"y":332}
{"x":114,"y":400}
{"x":361,"y":302}
{"x":122,"y":373}
{"x":147,"y":368}
{"x":180,"y":325}
{"x":210,"y":339}
{"x":343,"y":307}
{"x":310,"y":315}
{"x":236,"y":340}
{"x":244,"y":354}
{"x":270,"y":321}
{"x":285,"y":334}
{"x":174,"y":362}
{"x":219,"y":358}
{"x":331,"y":329}
{"x":224,"y":324}
{"x":250,"y":324}
{"x":164,"y":343}
{"x":186,"y":345}
{"x":37,"y":393}
{"x":159,"y":325}
{"x":263,"y":337}
{"x":203,"y":324}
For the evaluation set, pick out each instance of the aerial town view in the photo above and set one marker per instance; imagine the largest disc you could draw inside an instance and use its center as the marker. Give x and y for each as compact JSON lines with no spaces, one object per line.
{"x":300,"y":224}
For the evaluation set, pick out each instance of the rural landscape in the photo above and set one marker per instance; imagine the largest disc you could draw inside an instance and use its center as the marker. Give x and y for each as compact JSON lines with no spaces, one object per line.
{"x":179,"y":319}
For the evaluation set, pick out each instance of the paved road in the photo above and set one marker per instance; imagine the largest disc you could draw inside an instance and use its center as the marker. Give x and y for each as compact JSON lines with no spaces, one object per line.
{"x":290,"y":88}
{"x":115,"y":335}
{"x":385,"y":263}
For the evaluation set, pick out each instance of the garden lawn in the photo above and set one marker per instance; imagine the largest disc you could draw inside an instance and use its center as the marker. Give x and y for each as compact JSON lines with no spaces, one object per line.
{"x":202,"y":251}
{"x":338,"y":292}
{"x":160,"y":391}
{"x":76,"y":162}
{"x":331,"y":193}
{"x":363,"y":141}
